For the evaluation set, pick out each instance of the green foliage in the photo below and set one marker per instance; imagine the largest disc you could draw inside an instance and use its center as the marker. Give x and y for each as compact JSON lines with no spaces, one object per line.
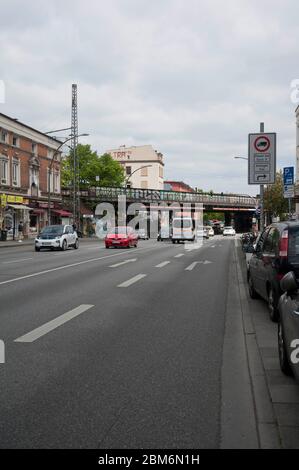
{"x":109,"y":171}
{"x":274,"y":202}
{"x":213,"y":215}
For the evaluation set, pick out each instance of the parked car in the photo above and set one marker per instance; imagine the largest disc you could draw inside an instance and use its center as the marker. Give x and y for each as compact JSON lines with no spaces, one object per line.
{"x":228,"y":231}
{"x":142,"y":234}
{"x":276,"y":253}
{"x":121,"y":237}
{"x":288,"y":326}
{"x":210,"y":230}
{"x":57,"y":237}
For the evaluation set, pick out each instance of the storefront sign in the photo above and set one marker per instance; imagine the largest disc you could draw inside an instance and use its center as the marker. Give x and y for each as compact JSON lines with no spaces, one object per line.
{"x":8,"y":199}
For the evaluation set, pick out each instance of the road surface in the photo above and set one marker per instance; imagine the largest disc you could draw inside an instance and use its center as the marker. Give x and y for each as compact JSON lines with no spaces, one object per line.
{"x":113,"y":348}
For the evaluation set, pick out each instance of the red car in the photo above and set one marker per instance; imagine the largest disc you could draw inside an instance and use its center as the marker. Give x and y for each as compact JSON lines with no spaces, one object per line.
{"x":123,"y":237}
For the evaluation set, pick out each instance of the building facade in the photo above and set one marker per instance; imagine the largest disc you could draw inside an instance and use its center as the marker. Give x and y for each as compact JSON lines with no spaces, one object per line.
{"x":144,"y":166}
{"x":25,"y":157}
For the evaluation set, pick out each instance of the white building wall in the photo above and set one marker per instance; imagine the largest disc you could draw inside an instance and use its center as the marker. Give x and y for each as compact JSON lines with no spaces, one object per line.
{"x":137,"y":157}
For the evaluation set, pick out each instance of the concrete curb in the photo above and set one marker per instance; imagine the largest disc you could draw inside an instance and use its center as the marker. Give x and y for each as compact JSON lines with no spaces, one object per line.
{"x":13,"y":244}
{"x":266,"y":419}
{"x":238,"y":412}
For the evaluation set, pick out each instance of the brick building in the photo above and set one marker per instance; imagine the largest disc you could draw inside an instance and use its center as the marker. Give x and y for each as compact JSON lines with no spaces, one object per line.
{"x":25,"y":157}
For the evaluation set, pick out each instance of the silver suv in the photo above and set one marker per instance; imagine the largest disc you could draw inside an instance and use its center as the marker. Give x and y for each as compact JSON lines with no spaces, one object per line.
{"x":57,"y":237}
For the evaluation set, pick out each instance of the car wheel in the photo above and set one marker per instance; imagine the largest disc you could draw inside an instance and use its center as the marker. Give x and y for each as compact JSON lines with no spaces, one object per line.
{"x":252,"y":292}
{"x":107,"y":247}
{"x":282,"y":352}
{"x":64,"y":245}
{"x":76,"y":245}
{"x":37,"y":248}
{"x":272,"y":305}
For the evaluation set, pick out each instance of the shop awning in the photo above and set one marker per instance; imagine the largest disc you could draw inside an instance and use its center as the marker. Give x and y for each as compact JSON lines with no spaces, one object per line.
{"x":38,"y":211}
{"x":20,"y":207}
{"x":62,"y":213}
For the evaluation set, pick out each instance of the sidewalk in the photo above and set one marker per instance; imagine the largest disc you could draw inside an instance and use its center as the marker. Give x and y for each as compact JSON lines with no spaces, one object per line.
{"x":30,"y":242}
{"x":277,"y":415}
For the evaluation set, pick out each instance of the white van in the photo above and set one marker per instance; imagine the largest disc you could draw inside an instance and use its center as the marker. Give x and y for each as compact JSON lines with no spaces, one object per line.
{"x":182,"y":229}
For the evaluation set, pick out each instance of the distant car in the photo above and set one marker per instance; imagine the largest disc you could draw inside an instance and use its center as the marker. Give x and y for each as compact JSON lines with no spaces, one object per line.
{"x":57,"y":237}
{"x":121,"y":237}
{"x":210,"y":230}
{"x":202,"y":232}
{"x":228,"y":231}
{"x":276,"y":253}
{"x":142,"y":234}
{"x":288,"y":326}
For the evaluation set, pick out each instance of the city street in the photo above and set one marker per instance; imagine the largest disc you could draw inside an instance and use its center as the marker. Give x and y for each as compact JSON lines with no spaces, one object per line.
{"x":138,"y":364}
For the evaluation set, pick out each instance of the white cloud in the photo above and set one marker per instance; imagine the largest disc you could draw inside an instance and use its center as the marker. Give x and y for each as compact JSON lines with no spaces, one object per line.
{"x":191,"y":77}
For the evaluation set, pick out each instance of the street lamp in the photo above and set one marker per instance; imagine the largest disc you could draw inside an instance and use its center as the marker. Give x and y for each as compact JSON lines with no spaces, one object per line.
{"x":50,"y":171}
{"x":137,"y":169}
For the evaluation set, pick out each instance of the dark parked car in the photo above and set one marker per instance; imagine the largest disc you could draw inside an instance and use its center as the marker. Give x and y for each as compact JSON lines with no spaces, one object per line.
{"x":276,"y":253}
{"x":288,"y":326}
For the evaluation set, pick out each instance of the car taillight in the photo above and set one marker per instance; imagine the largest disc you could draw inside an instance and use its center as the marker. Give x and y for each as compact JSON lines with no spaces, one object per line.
{"x":283,"y":244}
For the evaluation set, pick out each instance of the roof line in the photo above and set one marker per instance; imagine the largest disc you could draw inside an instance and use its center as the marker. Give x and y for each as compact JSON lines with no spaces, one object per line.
{"x":29,"y":127}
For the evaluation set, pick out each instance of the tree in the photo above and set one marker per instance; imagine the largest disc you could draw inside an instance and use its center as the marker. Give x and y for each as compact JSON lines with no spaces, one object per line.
{"x":93,"y":170}
{"x":274,"y":202}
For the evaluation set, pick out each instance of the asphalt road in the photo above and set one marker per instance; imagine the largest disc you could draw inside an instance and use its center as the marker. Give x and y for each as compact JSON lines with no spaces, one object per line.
{"x":113,"y":348}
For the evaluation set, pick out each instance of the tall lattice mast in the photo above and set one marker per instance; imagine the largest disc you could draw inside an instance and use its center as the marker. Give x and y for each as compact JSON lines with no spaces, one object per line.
{"x":74,"y":144}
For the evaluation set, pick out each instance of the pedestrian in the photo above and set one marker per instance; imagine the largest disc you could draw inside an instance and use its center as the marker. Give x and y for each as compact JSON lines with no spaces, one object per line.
{"x":21,"y":230}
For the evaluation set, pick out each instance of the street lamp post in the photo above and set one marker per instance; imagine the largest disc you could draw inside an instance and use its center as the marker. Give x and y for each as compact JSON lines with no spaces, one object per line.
{"x":262,"y":222}
{"x":50,"y":172}
{"x":137,"y":169}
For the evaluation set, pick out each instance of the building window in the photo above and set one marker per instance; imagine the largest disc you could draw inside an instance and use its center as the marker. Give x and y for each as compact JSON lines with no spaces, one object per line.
{"x":34,"y":148}
{"x":161,"y":172}
{"x":57,"y":182}
{"x":3,"y":136}
{"x":50,"y":180}
{"x":144,"y":184}
{"x":4,"y":170}
{"x":16,"y":172}
{"x":144,"y":172}
{"x":15,"y":141}
{"x":128,"y":170}
{"x":34,"y":177}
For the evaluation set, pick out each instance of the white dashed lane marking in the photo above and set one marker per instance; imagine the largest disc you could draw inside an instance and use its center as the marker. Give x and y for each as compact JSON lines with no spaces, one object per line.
{"x":52,"y":325}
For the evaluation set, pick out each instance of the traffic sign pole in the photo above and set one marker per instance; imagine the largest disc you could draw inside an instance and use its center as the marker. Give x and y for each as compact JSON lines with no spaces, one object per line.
{"x":262,"y":221}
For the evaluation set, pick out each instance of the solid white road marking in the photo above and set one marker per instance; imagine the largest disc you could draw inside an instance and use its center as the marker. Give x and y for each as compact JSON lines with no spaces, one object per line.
{"x":123,"y":262}
{"x":66,"y":266}
{"x":131,"y":281}
{"x":15,"y":261}
{"x":52,"y":325}
{"x":161,"y":265}
{"x":179,"y":255}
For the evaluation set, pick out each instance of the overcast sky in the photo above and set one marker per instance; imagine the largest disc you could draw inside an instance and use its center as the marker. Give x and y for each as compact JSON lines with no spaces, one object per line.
{"x":190,"y":77}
